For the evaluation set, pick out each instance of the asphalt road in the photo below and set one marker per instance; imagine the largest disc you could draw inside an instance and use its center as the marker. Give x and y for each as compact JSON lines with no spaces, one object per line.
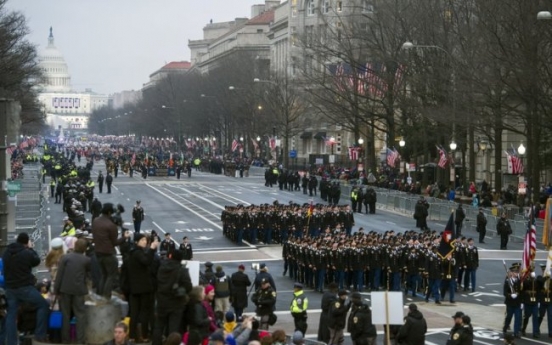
{"x":192,"y":207}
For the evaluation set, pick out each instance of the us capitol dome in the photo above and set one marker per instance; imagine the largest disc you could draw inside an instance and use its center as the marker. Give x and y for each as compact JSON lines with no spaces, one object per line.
{"x":55,"y":68}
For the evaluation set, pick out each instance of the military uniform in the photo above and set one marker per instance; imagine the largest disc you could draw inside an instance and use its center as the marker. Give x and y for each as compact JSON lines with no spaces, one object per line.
{"x":264,"y":299}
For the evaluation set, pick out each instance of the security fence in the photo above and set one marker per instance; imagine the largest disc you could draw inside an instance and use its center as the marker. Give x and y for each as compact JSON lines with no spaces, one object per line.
{"x":440,"y":211}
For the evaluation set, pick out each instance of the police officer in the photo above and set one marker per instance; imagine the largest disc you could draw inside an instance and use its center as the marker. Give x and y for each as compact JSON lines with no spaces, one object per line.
{"x":298,"y":308}
{"x":265,"y":299}
{"x":359,"y":325}
{"x":109,"y":182}
{"x":460,"y":333}
{"x":100,"y":182}
{"x":263,"y":274}
{"x":338,"y":317}
{"x":504,"y":229}
{"x":52,"y":187}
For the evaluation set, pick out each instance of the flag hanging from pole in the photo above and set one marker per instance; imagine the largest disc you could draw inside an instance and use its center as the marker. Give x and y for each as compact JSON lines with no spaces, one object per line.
{"x":443,"y":159}
{"x":234,"y":145}
{"x":529,"y":246}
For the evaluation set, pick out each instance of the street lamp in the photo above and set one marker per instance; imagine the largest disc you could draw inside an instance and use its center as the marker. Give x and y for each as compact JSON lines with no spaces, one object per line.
{"x":332,"y":143}
{"x":521,"y":149}
{"x":544,"y":15}
{"x":453,"y":145}
{"x":402,"y":143}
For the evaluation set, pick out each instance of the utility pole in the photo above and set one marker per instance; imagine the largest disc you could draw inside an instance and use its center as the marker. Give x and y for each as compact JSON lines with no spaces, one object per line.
{"x":9,"y":126}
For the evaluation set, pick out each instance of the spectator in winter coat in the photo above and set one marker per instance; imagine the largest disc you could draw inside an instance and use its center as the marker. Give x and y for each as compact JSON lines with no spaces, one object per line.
{"x":19,"y":260}
{"x":70,"y":286}
{"x":141,"y":286}
{"x":207,"y":301}
{"x":170,"y":306}
{"x":196,"y":315}
{"x":240,"y":283}
{"x":414,"y":329}
{"x":223,"y":290}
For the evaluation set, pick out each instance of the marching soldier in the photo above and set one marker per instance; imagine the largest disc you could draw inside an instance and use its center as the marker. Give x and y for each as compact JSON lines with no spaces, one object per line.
{"x":545,"y":299}
{"x":512,"y":294}
{"x":471,"y":263}
{"x":449,"y":276}
{"x":529,"y":298}
{"x":434,"y":265}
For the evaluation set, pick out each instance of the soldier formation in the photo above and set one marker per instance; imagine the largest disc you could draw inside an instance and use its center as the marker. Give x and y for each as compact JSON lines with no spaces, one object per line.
{"x":409,"y":262}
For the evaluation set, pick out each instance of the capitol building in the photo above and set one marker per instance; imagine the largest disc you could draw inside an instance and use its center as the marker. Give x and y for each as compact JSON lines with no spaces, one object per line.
{"x":65,"y":108}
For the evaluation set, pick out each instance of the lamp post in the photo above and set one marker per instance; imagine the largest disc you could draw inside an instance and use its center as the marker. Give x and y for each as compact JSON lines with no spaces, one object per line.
{"x":521,"y":151}
{"x":544,"y":15}
{"x":453,"y":146}
{"x":361,"y":153}
{"x":275,"y":148}
{"x":259,"y":154}
{"x":402,"y":144}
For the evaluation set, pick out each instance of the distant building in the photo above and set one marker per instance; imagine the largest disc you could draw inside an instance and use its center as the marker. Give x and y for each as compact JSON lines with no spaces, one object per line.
{"x":64,"y":106}
{"x":127,"y":97}
{"x":174,"y":67}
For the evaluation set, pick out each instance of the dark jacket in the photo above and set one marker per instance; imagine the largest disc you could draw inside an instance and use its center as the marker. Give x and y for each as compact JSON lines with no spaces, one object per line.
{"x":360,"y":324}
{"x":240,"y":284}
{"x":338,"y":314}
{"x":223,"y":285}
{"x":461,"y":335}
{"x":260,"y":277}
{"x":327,"y":301}
{"x":171,"y":272}
{"x":105,"y":235}
{"x":73,"y":269}
{"x":264,"y":299}
{"x":198,"y":320}
{"x":139,"y":270}
{"x":414,"y":329}
{"x":18,"y":264}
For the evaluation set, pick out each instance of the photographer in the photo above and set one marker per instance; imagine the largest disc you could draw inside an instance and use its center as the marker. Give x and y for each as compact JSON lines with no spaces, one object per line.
{"x":104,"y":231}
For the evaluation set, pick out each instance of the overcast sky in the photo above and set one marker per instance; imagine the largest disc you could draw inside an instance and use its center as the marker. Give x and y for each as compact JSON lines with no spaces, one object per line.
{"x":114,"y":45}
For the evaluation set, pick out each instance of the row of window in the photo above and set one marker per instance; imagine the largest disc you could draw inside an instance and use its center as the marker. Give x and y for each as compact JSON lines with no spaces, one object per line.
{"x":310,"y":6}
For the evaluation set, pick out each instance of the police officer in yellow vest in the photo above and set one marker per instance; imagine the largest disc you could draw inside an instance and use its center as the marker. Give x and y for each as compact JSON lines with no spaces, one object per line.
{"x":354,"y":198}
{"x":68,"y":228}
{"x":52,"y":187}
{"x":197,"y":162}
{"x":298,"y":308}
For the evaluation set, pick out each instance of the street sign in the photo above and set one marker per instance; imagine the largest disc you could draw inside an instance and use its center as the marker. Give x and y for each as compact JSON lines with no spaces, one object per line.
{"x":412,"y":167}
{"x":292,"y":153}
{"x":522,"y":188}
{"x":13,"y":187}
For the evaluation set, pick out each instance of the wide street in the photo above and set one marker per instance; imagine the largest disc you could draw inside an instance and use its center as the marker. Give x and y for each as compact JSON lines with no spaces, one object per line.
{"x":192,"y":207}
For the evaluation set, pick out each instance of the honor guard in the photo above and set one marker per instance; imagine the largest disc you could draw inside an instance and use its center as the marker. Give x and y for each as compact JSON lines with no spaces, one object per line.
{"x":529,"y":294}
{"x":512,"y":294}
{"x":545,"y":299}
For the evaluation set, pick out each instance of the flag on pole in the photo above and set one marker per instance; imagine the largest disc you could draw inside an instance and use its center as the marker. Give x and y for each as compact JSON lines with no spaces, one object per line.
{"x":272,"y":142}
{"x":234,"y":145}
{"x":529,"y":245}
{"x":353,"y":153}
{"x":311,"y":208}
{"x":446,"y":246}
{"x":442,"y":157}
{"x":391,"y":157}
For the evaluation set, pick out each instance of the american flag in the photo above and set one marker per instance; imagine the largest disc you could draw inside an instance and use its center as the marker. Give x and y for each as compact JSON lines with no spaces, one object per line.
{"x":442,"y":157}
{"x":353,"y":153}
{"x":234,"y":145}
{"x":392,"y":156}
{"x":529,"y":245}
{"x":514,"y":163}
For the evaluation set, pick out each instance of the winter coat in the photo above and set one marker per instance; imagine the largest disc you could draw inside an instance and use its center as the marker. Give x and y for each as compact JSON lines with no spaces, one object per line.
{"x":167,"y":276}
{"x":328,"y":300}
{"x":73,"y":269}
{"x":414,"y":329}
{"x":223,"y":286}
{"x":139,"y":270}
{"x":198,"y":320}
{"x":360,"y":324}
{"x":18,"y":264}
{"x":240,"y":285}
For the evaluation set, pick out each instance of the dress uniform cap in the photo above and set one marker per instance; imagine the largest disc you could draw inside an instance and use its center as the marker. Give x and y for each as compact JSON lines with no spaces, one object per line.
{"x":515,"y":267}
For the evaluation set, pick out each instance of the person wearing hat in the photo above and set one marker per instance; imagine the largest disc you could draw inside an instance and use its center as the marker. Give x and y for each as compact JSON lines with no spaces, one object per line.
{"x":298,"y":338}
{"x":414,"y":329}
{"x":421,"y":213}
{"x":19,"y":259}
{"x":545,"y":298}
{"x":263,"y":274}
{"x":265,"y":299}
{"x":338,"y":317}
{"x":186,"y":249}
{"x":68,"y":228}
{"x":137,"y":216}
{"x":504,"y":229}
{"x":328,"y":299}
{"x":207,"y":277}
{"x":298,"y":308}
{"x":459,"y":334}
{"x":168,"y":245}
{"x":95,"y":208}
{"x":512,"y":294}
{"x":529,"y":298}
{"x":481,"y":225}
{"x":100,"y":181}
{"x":240,"y":283}
{"x":359,"y":324}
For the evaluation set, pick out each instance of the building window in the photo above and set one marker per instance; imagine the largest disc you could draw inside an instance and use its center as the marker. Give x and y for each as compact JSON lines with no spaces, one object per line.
{"x":367,"y":6}
{"x":294,"y":8}
{"x":339,"y":6}
{"x":310,"y":7}
{"x":327,"y":6}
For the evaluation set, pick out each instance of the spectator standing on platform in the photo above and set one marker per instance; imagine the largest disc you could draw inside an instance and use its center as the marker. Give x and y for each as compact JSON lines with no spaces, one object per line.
{"x":19,"y":260}
{"x":240,"y":283}
{"x":70,"y":286}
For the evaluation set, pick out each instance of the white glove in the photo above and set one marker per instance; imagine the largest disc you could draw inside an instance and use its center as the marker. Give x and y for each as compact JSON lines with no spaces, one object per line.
{"x":514,"y":295}
{"x":533,"y":275}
